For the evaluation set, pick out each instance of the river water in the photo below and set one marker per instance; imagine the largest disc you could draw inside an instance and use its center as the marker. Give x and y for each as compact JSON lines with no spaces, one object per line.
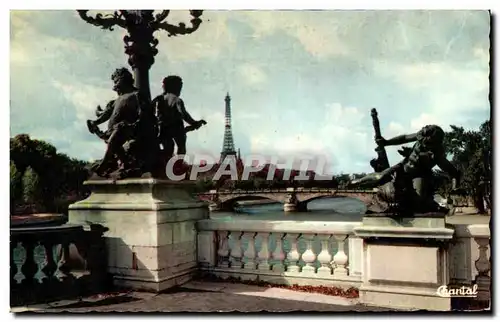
{"x":318,"y":206}
{"x":324,"y":209}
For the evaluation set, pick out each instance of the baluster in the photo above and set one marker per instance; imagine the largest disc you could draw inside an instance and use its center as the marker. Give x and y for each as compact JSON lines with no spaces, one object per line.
{"x":84,"y":255}
{"x":40,"y":259}
{"x":483,"y":281}
{"x":293,"y":255}
{"x":264,"y":252}
{"x":278,"y":254}
{"x":19,"y":257}
{"x":58,"y":254}
{"x":64,"y":267}
{"x":309,"y":257}
{"x":223,"y":250}
{"x":236,"y":251}
{"x":250,"y":251}
{"x":324,"y":257}
{"x":30,"y":267}
{"x":13,"y":266}
{"x":51,"y":266}
{"x":340,"y":258}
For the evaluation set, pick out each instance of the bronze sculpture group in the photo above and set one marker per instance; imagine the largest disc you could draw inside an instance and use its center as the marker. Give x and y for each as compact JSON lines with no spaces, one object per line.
{"x":141,"y":134}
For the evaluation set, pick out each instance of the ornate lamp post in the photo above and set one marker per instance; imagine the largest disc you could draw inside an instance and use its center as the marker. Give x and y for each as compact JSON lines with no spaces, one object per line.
{"x":140,"y":44}
{"x":143,"y":154}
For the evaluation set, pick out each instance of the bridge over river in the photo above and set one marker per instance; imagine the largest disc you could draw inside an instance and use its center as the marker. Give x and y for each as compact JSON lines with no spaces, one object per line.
{"x":293,"y":199}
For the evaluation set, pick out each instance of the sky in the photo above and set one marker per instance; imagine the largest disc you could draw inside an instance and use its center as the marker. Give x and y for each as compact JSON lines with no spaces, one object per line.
{"x":301,"y":82}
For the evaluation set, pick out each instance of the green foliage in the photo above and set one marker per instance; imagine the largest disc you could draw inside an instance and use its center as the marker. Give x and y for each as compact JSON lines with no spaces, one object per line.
{"x":31,"y":187}
{"x":258,"y":181}
{"x":470,"y":152}
{"x":16,"y":185}
{"x":204,"y":184}
{"x":245,"y":184}
{"x":59,"y":178}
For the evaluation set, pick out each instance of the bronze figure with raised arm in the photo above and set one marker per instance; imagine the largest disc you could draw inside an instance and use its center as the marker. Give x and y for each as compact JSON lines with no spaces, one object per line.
{"x":407,"y":187}
{"x":171,"y":114}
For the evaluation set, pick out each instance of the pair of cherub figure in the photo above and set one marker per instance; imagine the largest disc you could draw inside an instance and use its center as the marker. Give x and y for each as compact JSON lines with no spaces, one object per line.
{"x":141,"y":134}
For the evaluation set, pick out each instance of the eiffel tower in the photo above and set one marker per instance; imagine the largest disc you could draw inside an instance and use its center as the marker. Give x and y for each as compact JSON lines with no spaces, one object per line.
{"x":228,"y":143}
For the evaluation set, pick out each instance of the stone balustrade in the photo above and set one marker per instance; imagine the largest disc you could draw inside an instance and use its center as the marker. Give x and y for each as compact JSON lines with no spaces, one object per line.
{"x":332,"y":254}
{"x":470,"y":258}
{"x":281,"y":252}
{"x":54,"y":262}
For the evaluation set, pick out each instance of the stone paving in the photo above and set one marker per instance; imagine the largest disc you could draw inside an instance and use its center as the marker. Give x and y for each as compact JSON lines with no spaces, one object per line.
{"x":209,"y":297}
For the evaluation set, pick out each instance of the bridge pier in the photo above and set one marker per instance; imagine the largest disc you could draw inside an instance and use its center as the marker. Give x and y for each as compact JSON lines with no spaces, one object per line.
{"x":295,"y":207}
{"x":214,"y":203}
{"x":292,"y":204}
{"x":290,"y":207}
{"x":213,"y":206}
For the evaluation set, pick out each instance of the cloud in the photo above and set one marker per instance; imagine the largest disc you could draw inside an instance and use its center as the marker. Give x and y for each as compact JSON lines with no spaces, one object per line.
{"x":192,"y":47}
{"x":85,"y":98}
{"x":423,"y":120}
{"x":29,"y":46}
{"x":252,"y":74}
{"x":341,"y":137}
{"x":394,"y":129}
{"x":301,"y":25}
{"x":377,"y":35}
{"x":449,"y":93}
{"x":483,"y":55}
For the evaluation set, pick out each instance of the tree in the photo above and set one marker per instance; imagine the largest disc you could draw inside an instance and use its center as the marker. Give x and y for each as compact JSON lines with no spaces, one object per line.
{"x":16,"y":186}
{"x":204,"y":184}
{"x":31,"y":187}
{"x":59,"y":178}
{"x":471,"y":154}
{"x":342,"y":180}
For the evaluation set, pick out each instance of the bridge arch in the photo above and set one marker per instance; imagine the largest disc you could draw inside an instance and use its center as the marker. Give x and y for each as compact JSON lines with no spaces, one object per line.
{"x":231,"y":198}
{"x":226,"y":200}
{"x":366,"y":198}
{"x":362,"y":204}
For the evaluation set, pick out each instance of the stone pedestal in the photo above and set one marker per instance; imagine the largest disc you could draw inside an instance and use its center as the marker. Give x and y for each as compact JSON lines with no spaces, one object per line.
{"x":405,"y":261}
{"x":152,"y":239}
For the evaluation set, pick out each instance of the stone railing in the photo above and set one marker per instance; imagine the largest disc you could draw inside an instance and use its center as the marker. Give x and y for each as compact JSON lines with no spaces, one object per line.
{"x":470,"y":258}
{"x":282,"y":252}
{"x":50,"y":263}
{"x":283,"y":190}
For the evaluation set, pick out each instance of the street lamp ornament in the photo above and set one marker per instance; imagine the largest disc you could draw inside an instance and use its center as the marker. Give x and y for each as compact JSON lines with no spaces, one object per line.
{"x":133,"y":149}
{"x":121,"y":18}
{"x":140,"y":44}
